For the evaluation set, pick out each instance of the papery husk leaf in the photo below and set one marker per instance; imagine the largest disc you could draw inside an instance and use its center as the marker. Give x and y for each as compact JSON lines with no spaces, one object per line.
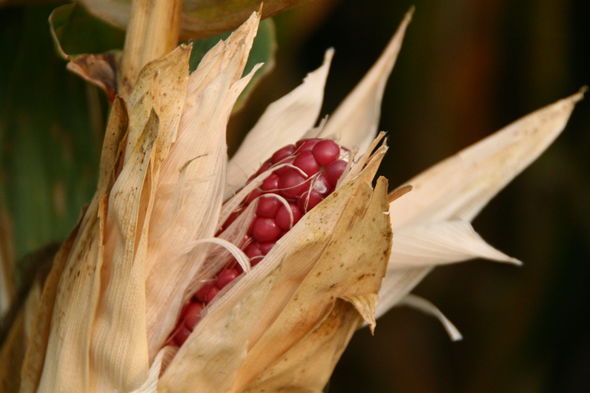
{"x":36,"y":345}
{"x":195,"y":172}
{"x":365,"y":306}
{"x":306,"y":367}
{"x":112,"y":146}
{"x":151,"y":383}
{"x":119,"y":348}
{"x":460,"y":186}
{"x":283,"y":122}
{"x":426,"y":307}
{"x":354,"y":123}
{"x":100,"y":70}
{"x":350,"y":267}
{"x":273,"y":311}
{"x":90,"y":45}
{"x":161,"y":87}
{"x":66,"y":364}
{"x":262,"y":51}
{"x":438,"y":243}
{"x":97,"y":338}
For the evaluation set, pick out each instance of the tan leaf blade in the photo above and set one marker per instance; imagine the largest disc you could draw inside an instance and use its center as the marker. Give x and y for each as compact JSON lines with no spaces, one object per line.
{"x":189,"y":189}
{"x":100,"y":70}
{"x":437,"y":243}
{"x":285,"y":121}
{"x":460,"y":186}
{"x":277,"y":306}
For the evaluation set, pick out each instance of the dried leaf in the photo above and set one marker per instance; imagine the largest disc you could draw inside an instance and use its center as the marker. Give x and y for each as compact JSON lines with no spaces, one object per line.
{"x":100,"y":70}
{"x":437,"y":243}
{"x":285,"y":121}
{"x":460,"y":186}
{"x":306,"y":367}
{"x":283,"y":300}
{"x":263,"y":51}
{"x":89,"y":44}
{"x":36,"y":345}
{"x":95,"y":296}
{"x":195,"y":171}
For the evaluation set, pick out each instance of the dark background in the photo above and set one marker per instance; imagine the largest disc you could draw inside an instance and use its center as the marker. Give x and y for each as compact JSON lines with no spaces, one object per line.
{"x":467,"y":68}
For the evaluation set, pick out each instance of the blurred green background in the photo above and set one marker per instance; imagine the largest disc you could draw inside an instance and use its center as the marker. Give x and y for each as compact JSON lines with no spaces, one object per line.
{"x":466,"y":69}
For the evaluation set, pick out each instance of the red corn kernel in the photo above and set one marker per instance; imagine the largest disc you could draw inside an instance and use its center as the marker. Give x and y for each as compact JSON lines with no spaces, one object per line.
{"x":266,"y":247}
{"x":314,"y":170}
{"x":202,"y":293}
{"x":292,"y":184}
{"x":309,"y":200}
{"x":334,"y":171}
{"x":270,"y":183}
{"x":265,"y":230}
{"x":253,"y":250}
{"x":192,"y":314}
{"x":282,"y":153}
{"x":181,"y":335}
{"x":226,"y":276}
{"x":285,"y":168}
{"x":307,"y":162}
{"x":267,"y":206}
{"x":213,"y":291}
{"x":283,"y":219}
{"x":326,"y":151}
{"x":306,"y":144}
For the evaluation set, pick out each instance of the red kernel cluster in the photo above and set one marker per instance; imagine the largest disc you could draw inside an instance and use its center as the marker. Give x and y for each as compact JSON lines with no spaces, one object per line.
{"x":307,"y":172}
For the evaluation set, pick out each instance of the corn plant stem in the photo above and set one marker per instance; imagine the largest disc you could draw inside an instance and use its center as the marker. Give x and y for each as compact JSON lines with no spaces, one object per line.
{"x":153,"y":31}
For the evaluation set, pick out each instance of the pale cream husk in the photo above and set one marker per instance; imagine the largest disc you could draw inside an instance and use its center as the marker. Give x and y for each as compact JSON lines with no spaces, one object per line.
{"x":101,"y":320}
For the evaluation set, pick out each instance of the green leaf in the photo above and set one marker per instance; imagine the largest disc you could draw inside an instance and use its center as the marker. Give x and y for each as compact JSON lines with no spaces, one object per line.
{"x":51,"y":125}
{"x":263,"y":51}
{"x":76,"y":32}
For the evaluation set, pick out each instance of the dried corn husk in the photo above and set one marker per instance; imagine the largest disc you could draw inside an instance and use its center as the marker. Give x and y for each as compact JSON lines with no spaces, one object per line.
{"x":118,"y":284}
{"x":433,"y":222}
{"x":101,"y":321}
{"x":269,"y":314}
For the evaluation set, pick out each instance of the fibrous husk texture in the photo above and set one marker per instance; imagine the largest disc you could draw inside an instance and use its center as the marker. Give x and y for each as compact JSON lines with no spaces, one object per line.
{"x":101,"y":321}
